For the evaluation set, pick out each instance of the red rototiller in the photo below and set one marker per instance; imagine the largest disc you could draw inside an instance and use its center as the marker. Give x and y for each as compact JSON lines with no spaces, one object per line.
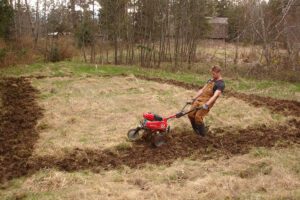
{"x":154,"y":127}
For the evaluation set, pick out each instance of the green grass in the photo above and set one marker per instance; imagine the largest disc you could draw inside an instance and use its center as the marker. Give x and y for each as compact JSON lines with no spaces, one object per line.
{"x":275,"y":89}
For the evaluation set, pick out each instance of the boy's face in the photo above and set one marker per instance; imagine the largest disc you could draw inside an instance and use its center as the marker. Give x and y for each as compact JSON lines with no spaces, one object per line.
{"x":215,"y":75}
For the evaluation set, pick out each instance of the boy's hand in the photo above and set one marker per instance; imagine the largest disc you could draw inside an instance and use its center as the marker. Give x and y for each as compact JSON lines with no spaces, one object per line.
{"x":205,"y":107}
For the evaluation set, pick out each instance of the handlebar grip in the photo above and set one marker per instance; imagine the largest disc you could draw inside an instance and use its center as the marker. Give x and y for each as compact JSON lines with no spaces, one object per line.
{"x":180,"y":114}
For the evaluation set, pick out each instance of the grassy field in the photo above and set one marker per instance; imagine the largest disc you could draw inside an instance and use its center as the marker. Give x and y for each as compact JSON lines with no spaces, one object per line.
{"x":92,"y":107}
{"x":276,"y":89}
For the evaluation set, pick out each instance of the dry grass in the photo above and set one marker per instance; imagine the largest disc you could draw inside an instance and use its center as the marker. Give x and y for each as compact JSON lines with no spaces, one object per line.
{"x":98,"y":112}
{"x":236,"y":114}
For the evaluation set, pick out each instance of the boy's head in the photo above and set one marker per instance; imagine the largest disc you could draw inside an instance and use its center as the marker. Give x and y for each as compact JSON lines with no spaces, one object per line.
{"x":216,"y":72}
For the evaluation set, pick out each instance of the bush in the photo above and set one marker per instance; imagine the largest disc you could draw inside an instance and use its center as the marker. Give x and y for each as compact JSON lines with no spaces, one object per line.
{"x":54,"y":54}
{"x":62,"y":50}
{"x":2,"y":54}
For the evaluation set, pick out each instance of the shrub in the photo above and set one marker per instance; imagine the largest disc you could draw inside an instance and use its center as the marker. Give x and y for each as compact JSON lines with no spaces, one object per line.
{"x":62,"y":50}
{"x":2,"y":54}
{"x":54,"y":54}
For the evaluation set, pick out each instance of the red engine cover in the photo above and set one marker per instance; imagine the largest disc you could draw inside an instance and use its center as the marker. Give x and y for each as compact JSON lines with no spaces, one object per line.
{"x":157,"y":125}
{"x":149,"y":116}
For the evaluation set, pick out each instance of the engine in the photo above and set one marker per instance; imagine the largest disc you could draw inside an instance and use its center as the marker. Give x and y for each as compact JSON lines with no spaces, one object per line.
{"x":152,"y":117}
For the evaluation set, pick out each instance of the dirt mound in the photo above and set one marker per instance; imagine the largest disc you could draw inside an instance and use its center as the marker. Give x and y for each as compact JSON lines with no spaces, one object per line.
{"x":188,"y":86}
{"x":18,"y":118}
{"x":179,"y":145}
{"x":285,"y":107}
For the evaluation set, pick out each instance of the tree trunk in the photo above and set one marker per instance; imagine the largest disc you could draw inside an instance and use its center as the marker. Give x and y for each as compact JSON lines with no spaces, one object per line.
{"x":29,"y":19}
{"x":37,"y":24}
{"x":116,"y":49}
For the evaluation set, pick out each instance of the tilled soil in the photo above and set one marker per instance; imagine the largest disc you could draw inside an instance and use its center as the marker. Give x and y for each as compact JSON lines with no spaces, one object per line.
{"x":18,"y":118}
{"x":179,"y":145}
{"x":20,"y":112}
{"x":285,"y":107}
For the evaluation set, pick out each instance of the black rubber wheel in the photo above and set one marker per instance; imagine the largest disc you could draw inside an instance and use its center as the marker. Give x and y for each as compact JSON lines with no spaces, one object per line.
{"x":158,"y":140}
{"x":133,"y":134}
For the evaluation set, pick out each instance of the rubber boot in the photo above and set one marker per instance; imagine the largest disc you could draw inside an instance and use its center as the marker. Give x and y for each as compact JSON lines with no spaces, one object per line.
{"x":200,"y":129}
{"x":193,"y":123}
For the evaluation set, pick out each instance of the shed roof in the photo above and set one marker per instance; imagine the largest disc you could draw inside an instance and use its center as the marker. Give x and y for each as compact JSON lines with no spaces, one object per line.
{"x":217,"y":20}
